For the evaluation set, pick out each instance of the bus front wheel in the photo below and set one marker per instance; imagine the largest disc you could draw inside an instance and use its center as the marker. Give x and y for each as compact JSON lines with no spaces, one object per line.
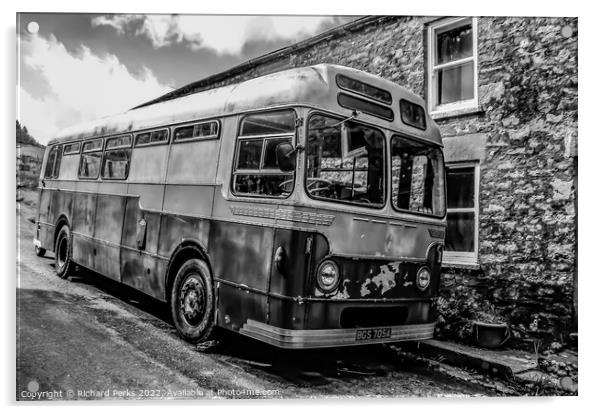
{"x":192,"y":301}
{"x":40,"y":251}
{"x":63,"y":260}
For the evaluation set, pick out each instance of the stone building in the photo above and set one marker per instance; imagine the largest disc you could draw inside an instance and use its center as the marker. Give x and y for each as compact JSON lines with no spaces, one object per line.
{"x":504,"y":93}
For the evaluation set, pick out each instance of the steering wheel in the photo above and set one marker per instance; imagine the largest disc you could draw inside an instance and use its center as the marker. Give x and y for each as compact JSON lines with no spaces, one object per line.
{"x":315,"y":185}
{"x":284,"y":184}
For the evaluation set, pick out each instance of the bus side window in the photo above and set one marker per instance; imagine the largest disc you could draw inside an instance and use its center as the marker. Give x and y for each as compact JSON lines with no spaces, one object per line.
{"x":116,"y":160}
{"x":256,"y":172}
{"x":53,"y":164}
{"x":89,"y":165}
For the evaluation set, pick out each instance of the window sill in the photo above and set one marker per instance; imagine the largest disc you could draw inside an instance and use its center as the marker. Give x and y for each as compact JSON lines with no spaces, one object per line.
{"x":453,"y":113}
{"x":461,"y":265}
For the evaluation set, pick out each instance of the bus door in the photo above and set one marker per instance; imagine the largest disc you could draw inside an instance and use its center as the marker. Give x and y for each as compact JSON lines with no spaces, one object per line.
{"x":46,"y":213}
{"x":110,"y":206}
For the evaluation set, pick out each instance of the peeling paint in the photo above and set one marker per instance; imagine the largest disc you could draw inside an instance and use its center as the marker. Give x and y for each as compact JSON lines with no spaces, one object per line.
{"x":385,"y":280}
{"x":344,"y":294}
{"x":364,"y":290}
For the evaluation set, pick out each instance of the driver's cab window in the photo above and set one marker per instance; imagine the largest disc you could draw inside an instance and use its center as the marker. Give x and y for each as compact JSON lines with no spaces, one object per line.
{"x":345,"y":161}
{"x":256,"y":171}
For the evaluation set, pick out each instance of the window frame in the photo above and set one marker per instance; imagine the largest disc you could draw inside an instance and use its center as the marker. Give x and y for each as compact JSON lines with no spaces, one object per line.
{"x":466,"y":258}
{"x":79,"y":148}
{"x":448,"y":24}
{"x":150,"y":131}
{"x":340,"y":76}
{"x":174,"y":140}
{"x":386,"y":164}
{"x":390,"y":118}
{"x":117,"y":148}
{"x":404,"y":121}
{"x":259,"y":171}
{"x":58,"y":149}
{"x":83,"y":152}
{"x":426,"y":145}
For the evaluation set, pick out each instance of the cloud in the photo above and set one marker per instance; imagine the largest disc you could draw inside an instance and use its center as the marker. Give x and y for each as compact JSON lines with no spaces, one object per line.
{"x":208,"y":31}
{"x":80,"y":87}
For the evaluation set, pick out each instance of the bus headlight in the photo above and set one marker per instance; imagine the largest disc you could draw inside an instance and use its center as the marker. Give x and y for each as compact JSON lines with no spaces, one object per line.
{"x":423,"y":278}
{"x":328,"y":276}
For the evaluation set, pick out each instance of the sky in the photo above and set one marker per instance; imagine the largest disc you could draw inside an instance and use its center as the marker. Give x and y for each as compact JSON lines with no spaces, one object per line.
{"x":78,"y":67}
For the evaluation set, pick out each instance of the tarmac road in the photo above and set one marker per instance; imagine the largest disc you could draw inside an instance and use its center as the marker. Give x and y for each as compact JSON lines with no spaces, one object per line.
{"x":91,"y":338}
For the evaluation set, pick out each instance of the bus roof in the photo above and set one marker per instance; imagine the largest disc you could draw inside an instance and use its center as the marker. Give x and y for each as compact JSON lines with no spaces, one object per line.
{"x":313,"y":86}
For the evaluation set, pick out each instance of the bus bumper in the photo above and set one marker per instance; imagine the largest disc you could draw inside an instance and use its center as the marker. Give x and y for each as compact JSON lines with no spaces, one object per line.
{"x":323,"y":338}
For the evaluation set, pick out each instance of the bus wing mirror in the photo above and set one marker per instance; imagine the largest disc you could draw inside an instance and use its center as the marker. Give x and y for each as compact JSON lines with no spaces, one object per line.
{"x":286,"y":156}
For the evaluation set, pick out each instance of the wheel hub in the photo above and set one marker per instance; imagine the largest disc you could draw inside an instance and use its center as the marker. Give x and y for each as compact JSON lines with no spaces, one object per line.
{"x":192,"y":300}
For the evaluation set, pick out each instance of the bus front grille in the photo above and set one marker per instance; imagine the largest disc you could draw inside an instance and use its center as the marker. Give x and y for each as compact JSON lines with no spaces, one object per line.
{"x":367,"y":317}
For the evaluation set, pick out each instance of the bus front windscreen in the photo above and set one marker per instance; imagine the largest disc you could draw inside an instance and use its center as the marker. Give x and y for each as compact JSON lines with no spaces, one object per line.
{"x":345,"y":162}
{"x":418,"y":184}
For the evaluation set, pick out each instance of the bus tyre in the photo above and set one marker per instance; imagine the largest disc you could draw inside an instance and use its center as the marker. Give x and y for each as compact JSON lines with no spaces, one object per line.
{"x":193,"y":301}
{"x":63,"y":261}
{"x":40,"y":252}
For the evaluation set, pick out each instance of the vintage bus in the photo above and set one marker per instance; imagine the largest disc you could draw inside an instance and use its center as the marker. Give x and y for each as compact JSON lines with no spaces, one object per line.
{"x":304,"y":208}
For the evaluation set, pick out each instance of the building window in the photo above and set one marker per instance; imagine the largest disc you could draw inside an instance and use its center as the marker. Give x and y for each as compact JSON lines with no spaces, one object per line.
{"x":452,"y":65}
{"x":462,"y":235}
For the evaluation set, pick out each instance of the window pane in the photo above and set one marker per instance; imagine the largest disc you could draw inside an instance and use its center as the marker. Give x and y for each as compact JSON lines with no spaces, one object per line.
{"x":455,"y":84}
{"x":412,"y":114}
{"x":126,"y":140}
{"x":93,"y":145}
{"x":142,"y":139}
{"x":454,"y":44}
{"x":158,"y":136}
{"x":269,"y":123}
{"x":364,"y":89}
{"x":269,"y":158}
{"x":362,"y":105}
{"x":417,"y":177}
{"x":460,"y":187}
{"x":345,"y":162}
{"x":116,"y":164}
{"x":460,"y":232}
{"x":261,"y":184}
{"x":57,"y":162}
{"x":71,"y":148}
{"x":249,"y":154}
{"x":201,"y":130}
{"x":89,"y":166}
{"x":153,"y":137}
{"x":48,"y":172}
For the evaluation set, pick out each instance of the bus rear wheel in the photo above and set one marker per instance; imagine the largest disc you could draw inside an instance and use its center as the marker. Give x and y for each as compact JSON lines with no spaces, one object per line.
{"x":40,"y":251}
{"x":63,"y":260}
{"x":193,"y":301}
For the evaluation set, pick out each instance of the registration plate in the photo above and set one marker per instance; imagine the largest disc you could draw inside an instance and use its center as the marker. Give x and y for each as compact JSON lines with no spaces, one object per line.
{"x":372,"y":333}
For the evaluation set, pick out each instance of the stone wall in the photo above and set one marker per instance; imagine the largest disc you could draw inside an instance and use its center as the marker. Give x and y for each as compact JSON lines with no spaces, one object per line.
{"x":528,"y":94}
{"x":527,"y":70}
